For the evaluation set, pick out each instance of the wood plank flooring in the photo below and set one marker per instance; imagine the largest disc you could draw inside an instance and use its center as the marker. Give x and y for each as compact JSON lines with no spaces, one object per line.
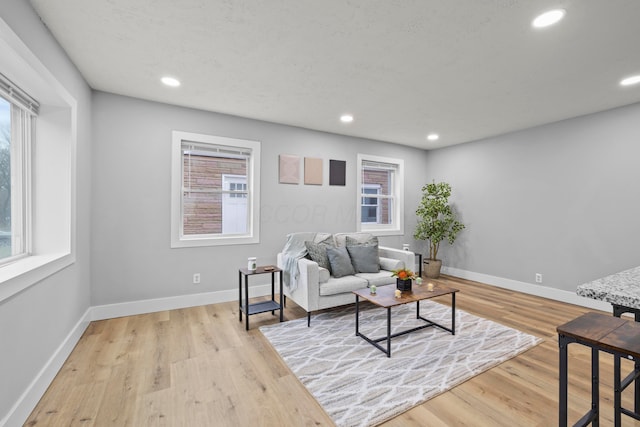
{"x":199,"y":367}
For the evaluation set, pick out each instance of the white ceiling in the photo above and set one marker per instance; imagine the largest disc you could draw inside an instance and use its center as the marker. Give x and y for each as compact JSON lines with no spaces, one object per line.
{"x":466,"y":69}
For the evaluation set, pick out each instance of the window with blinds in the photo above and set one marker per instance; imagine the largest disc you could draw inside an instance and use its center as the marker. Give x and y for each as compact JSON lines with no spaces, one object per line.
{"x":218,"y":192}
{"x":17,"y":128}
{"x":380,"y":183}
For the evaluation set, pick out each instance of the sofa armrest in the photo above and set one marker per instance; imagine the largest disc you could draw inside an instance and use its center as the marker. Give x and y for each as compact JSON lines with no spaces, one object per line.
{"x":408,"y":257}
{"x":307,"y":292}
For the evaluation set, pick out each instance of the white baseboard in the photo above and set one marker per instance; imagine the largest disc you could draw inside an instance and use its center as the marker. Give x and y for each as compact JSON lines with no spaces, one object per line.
{"x":110,"y":311}
{"x":529,"y":288}
{"x":32,"y":395}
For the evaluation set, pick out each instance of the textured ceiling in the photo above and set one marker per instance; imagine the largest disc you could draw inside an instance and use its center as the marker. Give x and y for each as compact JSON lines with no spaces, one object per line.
{"x":466,"y":69}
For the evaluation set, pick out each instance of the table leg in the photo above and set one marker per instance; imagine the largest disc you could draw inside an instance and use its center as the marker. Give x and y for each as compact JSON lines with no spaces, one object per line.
{"x":562,"y":403}
{"x":389,"y":332}
{"x":246,"y":300}
{"x":240,"y":295}
{"x":595,"y":386}
{"x":357,"y":314}
{"x":636,"y":385}
{"x":617,"y":392}
{"x":281,"y":296}
{"x":618,"y":310}
{"x":418,"y":309}
{"x":453,"y":313}
{"x":273,"y":292}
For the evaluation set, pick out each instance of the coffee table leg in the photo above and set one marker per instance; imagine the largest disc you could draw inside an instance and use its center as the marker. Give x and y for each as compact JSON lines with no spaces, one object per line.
{"x":357,"y":313}
{"x":453,"y":313}
{"x":417,"y":309}
{"x":389,"y":332}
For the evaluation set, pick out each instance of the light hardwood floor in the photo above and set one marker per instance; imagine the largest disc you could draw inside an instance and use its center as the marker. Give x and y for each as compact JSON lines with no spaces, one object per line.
{"x":199,"y":367}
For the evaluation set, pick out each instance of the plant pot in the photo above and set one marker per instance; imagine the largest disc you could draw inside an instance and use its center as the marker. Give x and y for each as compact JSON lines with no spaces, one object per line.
{"x":432,"y":268}
{"x":403,"y":284}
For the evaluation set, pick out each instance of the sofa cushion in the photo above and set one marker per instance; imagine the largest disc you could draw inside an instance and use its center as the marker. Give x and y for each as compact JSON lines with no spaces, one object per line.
{"x":359,"y":237}
{"x":342,"y":285}
{"x":323,"y":275}
{"x":379,"y":279}
{"x":364,"y":258}
{"x":391,"y":264}
{"x":318,"y":251}
{"x":339,"y":261}
{"x":326,"y":238}
{"x":365,"y":239}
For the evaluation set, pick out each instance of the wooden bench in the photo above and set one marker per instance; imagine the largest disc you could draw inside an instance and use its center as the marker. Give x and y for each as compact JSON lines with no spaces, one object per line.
{"x":601,"y":333}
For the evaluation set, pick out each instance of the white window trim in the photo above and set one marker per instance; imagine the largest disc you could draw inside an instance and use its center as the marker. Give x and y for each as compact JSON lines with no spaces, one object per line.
{"x":397,"y":226}
{"x":54,"y":247}
{"x":178,"y":240}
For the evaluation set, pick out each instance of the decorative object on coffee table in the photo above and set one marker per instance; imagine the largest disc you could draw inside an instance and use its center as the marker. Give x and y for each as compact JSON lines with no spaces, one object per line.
{"x":403,"y":277}
{"x":436,"y":222}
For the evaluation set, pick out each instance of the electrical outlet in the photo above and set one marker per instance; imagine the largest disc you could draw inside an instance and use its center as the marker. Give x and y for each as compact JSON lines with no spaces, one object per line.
{"x":538,"y":278}
{"x":196,"y":278}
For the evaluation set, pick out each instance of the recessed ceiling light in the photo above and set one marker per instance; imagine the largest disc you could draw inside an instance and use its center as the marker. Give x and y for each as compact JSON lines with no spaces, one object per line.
{"x":170,"y":81}
{"x":346,"y":118}
{"x":433,"y":137}
{"x":630,"y":81}
{"x":548,"y":18}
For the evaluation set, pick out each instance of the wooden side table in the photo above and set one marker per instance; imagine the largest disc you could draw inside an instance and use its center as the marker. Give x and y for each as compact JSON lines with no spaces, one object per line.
{"x":610,"y":335}
{"x":263,"y":306}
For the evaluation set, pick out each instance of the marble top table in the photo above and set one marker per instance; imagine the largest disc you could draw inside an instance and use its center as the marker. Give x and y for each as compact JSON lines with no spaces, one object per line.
{"x":622,"y":290}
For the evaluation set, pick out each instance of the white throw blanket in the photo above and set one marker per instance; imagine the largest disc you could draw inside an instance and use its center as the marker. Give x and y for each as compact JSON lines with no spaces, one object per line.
{"x":293,"y":250}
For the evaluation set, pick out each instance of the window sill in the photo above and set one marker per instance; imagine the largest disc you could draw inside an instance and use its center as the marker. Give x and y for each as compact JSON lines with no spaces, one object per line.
{"x":194,"y":242}
{"x":379,"y":231}
{"x":25,"y":272}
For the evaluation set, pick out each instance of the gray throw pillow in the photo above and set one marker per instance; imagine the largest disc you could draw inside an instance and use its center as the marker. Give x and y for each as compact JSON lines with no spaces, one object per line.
{"x":364,"y":258}
{"x":318,"y":253}
{"x":351,"y":241}
{"x":340,"y":261}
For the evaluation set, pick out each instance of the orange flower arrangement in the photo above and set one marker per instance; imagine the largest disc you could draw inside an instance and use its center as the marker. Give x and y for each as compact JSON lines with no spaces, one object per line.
{"x":403,"y":274}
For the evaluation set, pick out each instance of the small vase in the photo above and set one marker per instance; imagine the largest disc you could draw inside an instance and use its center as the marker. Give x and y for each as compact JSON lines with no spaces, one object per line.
{"x":403,"y":284}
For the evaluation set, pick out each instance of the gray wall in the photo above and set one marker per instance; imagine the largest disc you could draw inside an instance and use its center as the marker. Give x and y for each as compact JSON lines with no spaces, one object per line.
{"x":131,"y":255}
{"x":35,"y":322}
{"x":560,"y":199}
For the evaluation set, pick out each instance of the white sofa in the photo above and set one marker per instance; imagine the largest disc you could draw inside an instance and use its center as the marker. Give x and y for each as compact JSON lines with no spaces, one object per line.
{"x":316,"y":289}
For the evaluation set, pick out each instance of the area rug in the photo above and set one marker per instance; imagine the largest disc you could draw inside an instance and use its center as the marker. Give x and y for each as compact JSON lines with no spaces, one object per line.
{"x":358,"y":385}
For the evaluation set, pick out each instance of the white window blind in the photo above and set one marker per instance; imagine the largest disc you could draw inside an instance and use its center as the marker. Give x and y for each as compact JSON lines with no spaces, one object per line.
{"x":14,"y":94}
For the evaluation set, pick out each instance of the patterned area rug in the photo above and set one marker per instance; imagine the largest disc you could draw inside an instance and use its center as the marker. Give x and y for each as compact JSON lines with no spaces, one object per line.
{"x":358,"y":385}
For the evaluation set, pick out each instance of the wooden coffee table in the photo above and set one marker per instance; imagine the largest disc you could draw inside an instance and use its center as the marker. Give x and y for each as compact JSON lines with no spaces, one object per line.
{"x":385,"y":297}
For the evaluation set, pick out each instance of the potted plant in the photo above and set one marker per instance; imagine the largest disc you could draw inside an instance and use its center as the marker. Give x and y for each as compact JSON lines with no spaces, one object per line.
{"x":436,"y":222}
{"x":403,"y":277}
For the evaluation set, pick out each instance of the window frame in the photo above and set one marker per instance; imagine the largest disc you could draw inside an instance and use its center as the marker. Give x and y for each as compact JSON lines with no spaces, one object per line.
{"x":53,"y":235}
{"x":396,"y":195}
{"x":23,"y":111}
{"x":178,"y":238}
